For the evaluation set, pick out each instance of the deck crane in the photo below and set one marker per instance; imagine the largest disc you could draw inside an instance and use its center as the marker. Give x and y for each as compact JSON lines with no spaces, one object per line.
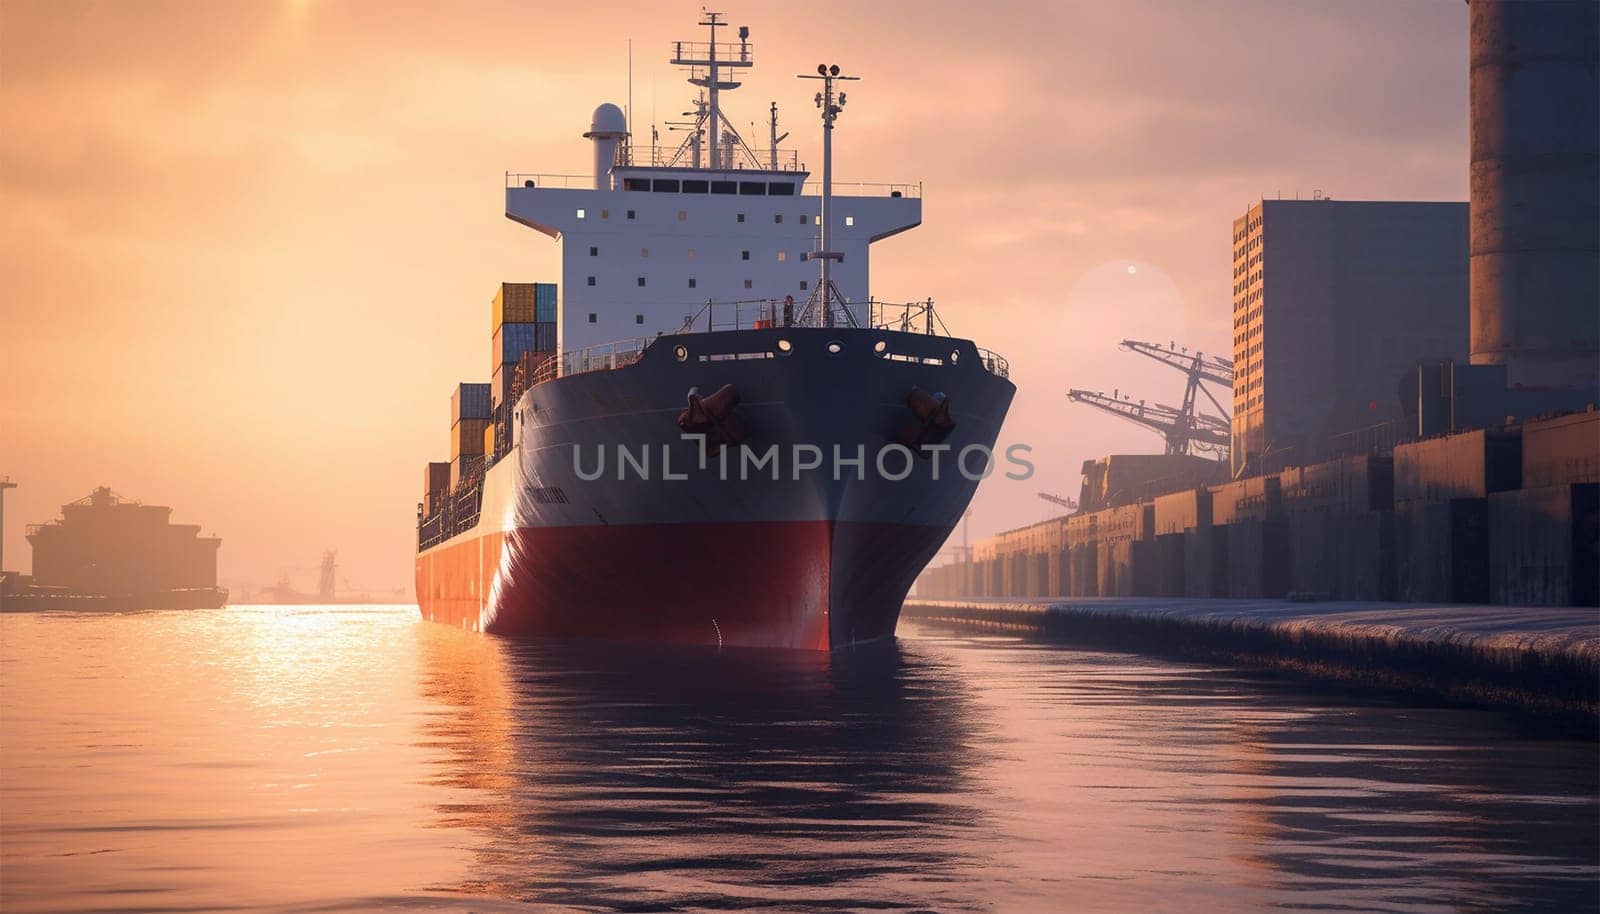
{"x":1200,"y":368}
{"x":1186,"y":432}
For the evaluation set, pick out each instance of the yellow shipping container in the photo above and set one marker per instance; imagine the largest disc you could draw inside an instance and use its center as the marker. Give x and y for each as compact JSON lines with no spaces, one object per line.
{"x":466,"y":438}
{"x":488,"y":439}
{"x":514,"y":302}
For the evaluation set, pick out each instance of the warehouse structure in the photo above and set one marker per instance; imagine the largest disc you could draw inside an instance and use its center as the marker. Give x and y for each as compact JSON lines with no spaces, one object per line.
{"x":1489,"y":489}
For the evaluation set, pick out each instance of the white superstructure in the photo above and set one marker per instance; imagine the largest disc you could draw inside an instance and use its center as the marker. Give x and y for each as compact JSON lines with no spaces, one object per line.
{"x":651,"y":238}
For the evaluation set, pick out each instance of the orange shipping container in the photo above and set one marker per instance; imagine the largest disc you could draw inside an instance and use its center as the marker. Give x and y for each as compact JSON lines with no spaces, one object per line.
{"x":466,"y":438}
{"x":523,"y":302}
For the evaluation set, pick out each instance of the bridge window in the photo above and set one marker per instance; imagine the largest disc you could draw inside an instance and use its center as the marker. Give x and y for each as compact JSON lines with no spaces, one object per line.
{"x":696,"y":187}
{"x":665,"y":186}
{"x":635,"y":183}
{"x":785,"y":189}
{"x":724,"y":187}
{"x":752,"y":189}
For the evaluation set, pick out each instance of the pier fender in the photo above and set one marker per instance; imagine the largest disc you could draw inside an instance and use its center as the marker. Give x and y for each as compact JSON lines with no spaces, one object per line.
{"x":713,"y":417}
{"x":932,"y":423}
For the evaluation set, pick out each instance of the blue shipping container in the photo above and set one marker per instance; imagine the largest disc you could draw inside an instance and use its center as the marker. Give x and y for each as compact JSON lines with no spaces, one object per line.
{"x":544,"y":303}
{"x":469,"y":401}
{"x":512,"y":340}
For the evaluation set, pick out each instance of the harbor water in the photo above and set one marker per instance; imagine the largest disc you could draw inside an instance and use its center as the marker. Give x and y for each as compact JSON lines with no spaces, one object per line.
{"x":308,"y":758}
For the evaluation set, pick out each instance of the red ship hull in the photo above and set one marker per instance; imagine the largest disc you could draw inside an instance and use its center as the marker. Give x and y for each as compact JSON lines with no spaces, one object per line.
{"x":804,"y":584}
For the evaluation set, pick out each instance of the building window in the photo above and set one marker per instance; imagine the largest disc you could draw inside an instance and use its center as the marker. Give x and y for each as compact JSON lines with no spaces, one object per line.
{"x":802,"y":285}
{"x":691,"y":253}
{"x":591,"y":280}
{"x":592,"y":318}
{"x":594,"y":252}
{"x":804,"y":218}
{"x":778,"y":218}
{"x":580,"y":214}
{"x":744,"y":255}
{"x":644,"y":252}
{"x":641,"y":282}
{"x":638,"y":318}
{"x":783,"y":256}
{"x":630,"y":214}
{"x":691,"y":282}
{"x":741,"y":217}
{"x":682,"y":215}
{"x":605,"y":214}
{"x":849,"y":220}
{"x":748,"y":284}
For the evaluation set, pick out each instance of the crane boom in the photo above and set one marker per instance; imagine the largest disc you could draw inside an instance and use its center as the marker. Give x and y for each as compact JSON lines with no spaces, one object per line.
{"x":1200,"y":369}
{"x":1183,"y":431}
{"x":1061,"y":500}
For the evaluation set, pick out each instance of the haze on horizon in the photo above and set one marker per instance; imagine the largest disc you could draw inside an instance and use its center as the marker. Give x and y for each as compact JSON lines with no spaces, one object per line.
{"x":247,"y":249}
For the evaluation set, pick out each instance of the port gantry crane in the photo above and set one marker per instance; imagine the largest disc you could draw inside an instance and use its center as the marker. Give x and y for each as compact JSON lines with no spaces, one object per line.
{"x":1185,"y":432}
{"x":1200,"y":369}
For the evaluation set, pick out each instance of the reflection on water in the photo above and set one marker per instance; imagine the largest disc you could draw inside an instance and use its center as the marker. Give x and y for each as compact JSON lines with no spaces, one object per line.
{"x":318,"y":759}
{"x":631,"y":777}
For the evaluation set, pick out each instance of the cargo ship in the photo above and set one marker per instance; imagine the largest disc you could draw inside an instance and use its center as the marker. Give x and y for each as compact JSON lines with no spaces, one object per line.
{"x":708,"y":430}
{"x":110,"y":553}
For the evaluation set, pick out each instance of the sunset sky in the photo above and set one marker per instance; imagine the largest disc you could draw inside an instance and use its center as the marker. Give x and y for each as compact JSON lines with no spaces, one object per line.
{"x":246,"y":249}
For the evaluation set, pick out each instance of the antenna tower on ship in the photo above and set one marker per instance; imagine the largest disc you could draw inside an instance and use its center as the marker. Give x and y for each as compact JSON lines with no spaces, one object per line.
{"x":706,"y":63}
{"x":831,"y":106}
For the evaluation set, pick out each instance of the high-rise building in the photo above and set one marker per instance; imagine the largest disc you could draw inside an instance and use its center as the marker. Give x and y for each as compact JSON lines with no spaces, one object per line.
{"x":1334,"y":302}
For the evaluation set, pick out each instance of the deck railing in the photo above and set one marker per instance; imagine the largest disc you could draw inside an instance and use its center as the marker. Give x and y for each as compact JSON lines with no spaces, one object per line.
{"x":912,"y":190}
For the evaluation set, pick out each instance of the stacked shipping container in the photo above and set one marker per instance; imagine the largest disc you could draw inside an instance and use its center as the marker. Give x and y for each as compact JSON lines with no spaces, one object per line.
{"x":523,"y":319}
{"x":523,"y":329}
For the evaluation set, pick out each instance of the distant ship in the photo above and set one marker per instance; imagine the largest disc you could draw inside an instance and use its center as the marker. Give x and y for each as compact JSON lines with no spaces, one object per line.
{"x":712,"y":306}
{"x":328,"y":591}
{"x":107,"y":552}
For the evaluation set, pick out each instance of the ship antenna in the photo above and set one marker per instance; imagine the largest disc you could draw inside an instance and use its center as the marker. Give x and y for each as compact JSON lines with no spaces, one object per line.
{"x":772,"y":124}
{"x":627,"y":135}
{"x":714,"y":59}
{"x":830,"y":111}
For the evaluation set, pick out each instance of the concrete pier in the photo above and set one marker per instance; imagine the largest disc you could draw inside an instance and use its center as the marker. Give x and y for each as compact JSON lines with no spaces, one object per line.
{"x":1544,"y":658}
